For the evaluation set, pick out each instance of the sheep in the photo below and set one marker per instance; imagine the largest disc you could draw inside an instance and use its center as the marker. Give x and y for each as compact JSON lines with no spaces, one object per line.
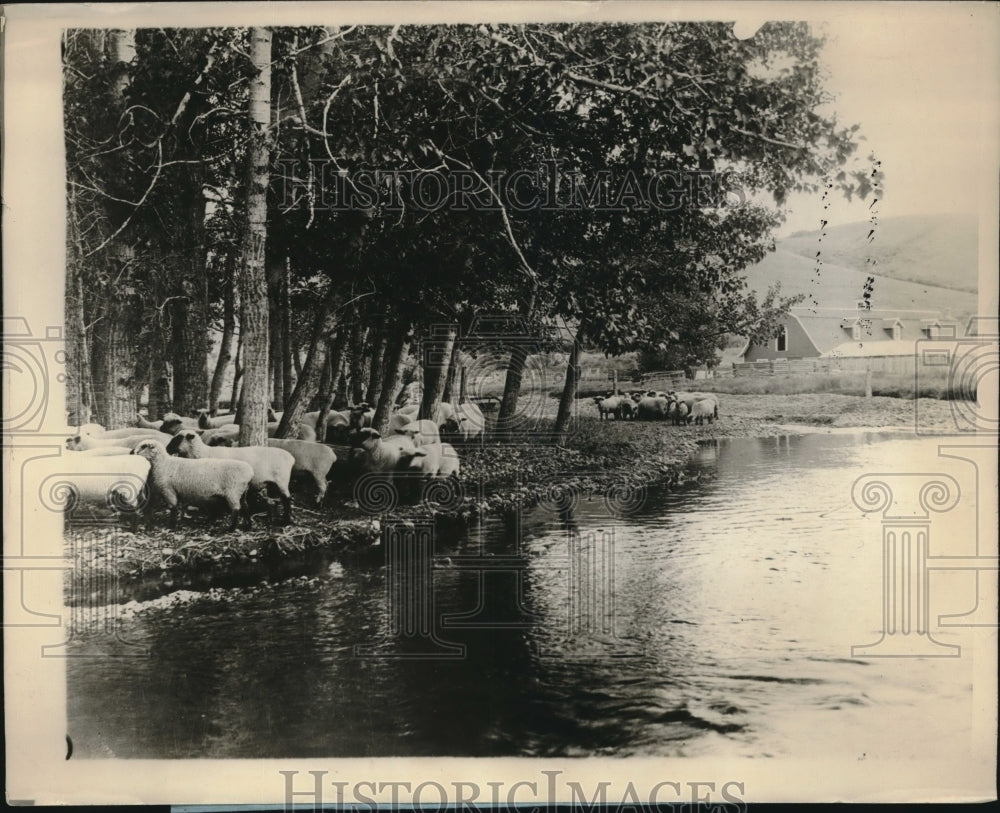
{"x":432,"y":460}
{"x":96,"y":479}
{"x":679,"y":412}
{"x":132,"y":431}
{"x":702,"y":410}
{"x":618,"y":405}
{"x":467,"y":424}
{"x":179,"y":482}
{"x":104,"y":451}
{"x":174,"y":423}
{"x":270,"y":466}
{"x":450,"y":466}
{"x":142,"y":423}
{"x":421,"y":432}
{"x":312,"y":459}
{"x":652,"y":408}
{"x":85,"y":442}
{"x":360,"y":416}
{"x":206,"y":421}
{"x":229,"y":432}
{"x":381,"y":454}
{"x":444,"y":412}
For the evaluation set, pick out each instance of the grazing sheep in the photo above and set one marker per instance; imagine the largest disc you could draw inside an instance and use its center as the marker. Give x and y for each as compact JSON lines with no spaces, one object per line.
{"x":224,"y":434}
{"x":420,"y":432}
{"x":381,"y":455}
{"x":468,"y":423}
{"x":311,"y":459}
{"x":270,"y":466}
{"x":179,"y":482}
{"x":174,"y":423}
{"x":704,"y":409}
{"x":651,"y":408}
{"x":81,"y":443}
{"x":206,"y":421}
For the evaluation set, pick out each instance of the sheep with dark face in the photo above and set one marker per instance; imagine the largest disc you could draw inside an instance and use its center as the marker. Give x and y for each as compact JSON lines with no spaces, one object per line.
{"x":179,"y":482}
{"x":652,"y":408}
{"x":206,"y":421}
{"x":467,"y":425}
{"x":271,"y":467}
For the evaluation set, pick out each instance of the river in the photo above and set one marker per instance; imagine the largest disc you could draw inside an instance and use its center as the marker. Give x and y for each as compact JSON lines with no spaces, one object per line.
{"x":712,"y":619}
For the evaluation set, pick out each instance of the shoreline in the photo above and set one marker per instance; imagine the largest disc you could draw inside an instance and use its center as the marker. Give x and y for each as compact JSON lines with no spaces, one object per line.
{"x":601,"y":455}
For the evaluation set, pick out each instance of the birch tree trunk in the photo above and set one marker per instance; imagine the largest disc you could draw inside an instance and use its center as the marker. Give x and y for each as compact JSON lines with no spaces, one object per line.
{"x":253,"y":288}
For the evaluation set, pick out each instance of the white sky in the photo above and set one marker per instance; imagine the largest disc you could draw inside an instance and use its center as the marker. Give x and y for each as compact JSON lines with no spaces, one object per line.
{"x":921,"y":80}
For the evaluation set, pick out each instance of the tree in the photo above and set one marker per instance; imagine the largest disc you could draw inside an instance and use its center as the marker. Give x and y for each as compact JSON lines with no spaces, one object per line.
{"x":253,"y":280}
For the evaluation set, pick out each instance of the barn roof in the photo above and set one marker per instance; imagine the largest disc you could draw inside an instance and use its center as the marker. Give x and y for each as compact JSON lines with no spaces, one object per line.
{"x":827,"y":328}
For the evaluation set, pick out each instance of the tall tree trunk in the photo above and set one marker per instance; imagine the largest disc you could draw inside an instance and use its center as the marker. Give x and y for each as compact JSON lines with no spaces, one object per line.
{"x":275,"y":282}
{"x":158,"y":403}
{"x":463,"y":395}
{"x":253,"y":290}
{"x":79,"y":387}
{"x":512,"y":387}
{"x":335,"y":362}
{"x":285,"y":314}
{"x":325,"y":388}
{"x":234,"y":393}
{"x":357,"y":368}
{"x":449,"y":385}
{"x":306,"y":387}
{"x":568,"y":393}
{"x":376,"y":365}
{"x":437,"y":364}
{"x":189,"y":344}
{"x":226,"y":344}
{"x":392,"y":374}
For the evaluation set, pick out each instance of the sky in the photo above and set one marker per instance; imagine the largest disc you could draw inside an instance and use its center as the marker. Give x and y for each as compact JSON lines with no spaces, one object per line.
{"x":921,"y":80}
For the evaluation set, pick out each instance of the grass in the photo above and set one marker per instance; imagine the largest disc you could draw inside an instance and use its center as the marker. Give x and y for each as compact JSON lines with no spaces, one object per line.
{"x":931,"y":385}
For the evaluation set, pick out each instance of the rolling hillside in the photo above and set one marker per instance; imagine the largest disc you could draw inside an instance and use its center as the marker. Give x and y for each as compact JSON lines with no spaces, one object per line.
{"x":924,"y":263}
{"x":937,"y":250}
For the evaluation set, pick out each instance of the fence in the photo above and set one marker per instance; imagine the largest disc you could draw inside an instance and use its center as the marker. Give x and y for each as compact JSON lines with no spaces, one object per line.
{"x":905,"y":365}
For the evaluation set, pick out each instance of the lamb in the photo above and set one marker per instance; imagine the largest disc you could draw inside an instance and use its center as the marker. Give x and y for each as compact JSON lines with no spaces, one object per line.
{"x":179,"y":482}
{"x":311,"y":459}
{"x":467,"y":424}
{"x":85,"y":442}
{"x":270,"y":466}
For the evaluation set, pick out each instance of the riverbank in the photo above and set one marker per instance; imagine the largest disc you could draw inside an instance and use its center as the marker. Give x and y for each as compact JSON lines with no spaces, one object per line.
{"x":614,"y":459}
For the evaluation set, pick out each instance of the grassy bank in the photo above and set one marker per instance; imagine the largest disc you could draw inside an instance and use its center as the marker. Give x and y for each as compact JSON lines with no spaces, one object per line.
{"x":599,"y":456}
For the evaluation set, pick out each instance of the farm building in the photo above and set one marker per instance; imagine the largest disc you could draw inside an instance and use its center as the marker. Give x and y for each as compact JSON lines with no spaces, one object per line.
{"x":836,"y":333}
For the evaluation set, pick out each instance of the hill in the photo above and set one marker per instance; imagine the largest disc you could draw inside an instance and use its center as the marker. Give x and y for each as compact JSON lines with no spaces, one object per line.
{"x":937,"y":250}
{"x":911,"y":273}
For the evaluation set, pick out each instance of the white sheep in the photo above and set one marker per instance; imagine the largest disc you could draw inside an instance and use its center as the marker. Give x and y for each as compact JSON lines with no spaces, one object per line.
{"x":142,"y":423}
{"x":180,"y":482}
{"x":704,"y":409}
{"x":271,"y":467}
{"x":104,"y":451}
{"x":128,"y":432}
{"x":174,"y":423}
{"x":311,"y":459}
{"x":81,"y":443}
{"x":420,"y":432}
{"x":382,"y":454}
{"x":104,"y":481}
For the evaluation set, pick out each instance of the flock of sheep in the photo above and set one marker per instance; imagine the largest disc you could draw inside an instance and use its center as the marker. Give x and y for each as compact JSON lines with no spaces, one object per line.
{"x":677,"y":407}
{"x":183,"y":461}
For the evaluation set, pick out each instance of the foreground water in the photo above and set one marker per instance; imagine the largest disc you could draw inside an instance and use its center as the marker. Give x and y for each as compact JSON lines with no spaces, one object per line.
{"x":713,"y":619}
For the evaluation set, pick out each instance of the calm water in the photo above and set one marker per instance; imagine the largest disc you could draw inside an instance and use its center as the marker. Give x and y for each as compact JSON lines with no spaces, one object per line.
{"x":734,"y":605}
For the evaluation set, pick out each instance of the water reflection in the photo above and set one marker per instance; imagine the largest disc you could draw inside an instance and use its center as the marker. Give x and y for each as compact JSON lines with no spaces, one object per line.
{"x":715,"y":618}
